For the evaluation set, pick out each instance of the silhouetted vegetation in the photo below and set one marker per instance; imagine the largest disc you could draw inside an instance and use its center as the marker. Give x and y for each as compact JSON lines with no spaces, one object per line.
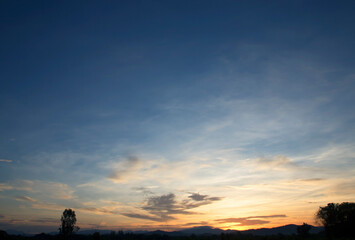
{"x":96,"y":236}
{"x":131,"y":236}
{"x":68,"y":221}
{"x":303,"y":230}
{"x":338,"y":220}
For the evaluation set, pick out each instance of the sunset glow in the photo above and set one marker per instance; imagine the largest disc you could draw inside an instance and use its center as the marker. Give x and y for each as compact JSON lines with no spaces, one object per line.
{"x":144,"y":115}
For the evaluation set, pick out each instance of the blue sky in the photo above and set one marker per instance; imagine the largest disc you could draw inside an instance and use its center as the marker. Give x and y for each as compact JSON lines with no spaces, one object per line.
{"x":118,"y":108}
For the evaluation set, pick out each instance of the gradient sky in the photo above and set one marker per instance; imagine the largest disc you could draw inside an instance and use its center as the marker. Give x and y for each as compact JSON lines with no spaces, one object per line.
{"x":173,"y":114}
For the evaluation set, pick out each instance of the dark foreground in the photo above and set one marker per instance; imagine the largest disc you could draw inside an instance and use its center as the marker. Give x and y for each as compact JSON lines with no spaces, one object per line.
{"x":156,"y":236}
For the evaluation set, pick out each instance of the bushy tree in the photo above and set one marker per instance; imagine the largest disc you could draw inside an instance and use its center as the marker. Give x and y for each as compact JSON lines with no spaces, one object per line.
{"x":338,"y":219}
{"x":68,"y":221}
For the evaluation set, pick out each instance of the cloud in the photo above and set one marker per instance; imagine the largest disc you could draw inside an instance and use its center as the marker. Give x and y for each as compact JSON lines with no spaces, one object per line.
{"x":9,"y":220}
{"x":25,"y":198}
{"x":342,"y":188}
{"x":97,"y":207}
{"x":312,"y":179}
{"x":269,"y":216}
{"x":4,"y":186}
{"x":343,"y":153}
{"x":248,"y":221}
{"x":110,"y":202}
{"x":5,"y":160}
{"x":54,"y":190}
{"x":199,"y":200}
{"x":143,"y":216}
{"x":45,"y":220}
{"x":162,"y":208}
{"x":45,"y":189}
{"x":49,"y":206}
{"x":276,"y":162}
{"x":202,"y":223}
{"x":144,"y":190}
{"x":79,"y":206}
{"x":124,"y":169}
{"x":98,"y":210}
{"x":30,"y":225}
{"x":198,"y":197}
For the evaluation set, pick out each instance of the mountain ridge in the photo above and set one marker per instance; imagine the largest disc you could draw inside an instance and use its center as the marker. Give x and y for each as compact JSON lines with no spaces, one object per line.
{"x":289,"y":229}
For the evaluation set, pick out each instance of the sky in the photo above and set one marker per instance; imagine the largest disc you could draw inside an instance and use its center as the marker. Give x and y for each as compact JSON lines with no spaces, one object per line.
{"x":173,"y":114}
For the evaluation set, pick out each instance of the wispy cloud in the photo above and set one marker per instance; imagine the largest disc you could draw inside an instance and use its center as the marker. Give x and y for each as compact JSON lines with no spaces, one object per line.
{"x":5,"y":160}
{"x":276,"y":162}
{"x":49,"y":206}
{"x":5,"y":186}
{"x":47,"y":194}
{"x":202,"y":223}
{"x":144,"y":217}
{"x":123,"y":170}
{"x":144,"y":190}
{"x":45,"y":220}
{"x":243,"y":221}
{"x":54,"y":190}
{"x":25,"y":198}
{"x":110,"y":202}
{"x":248,"y":221}
{"x":269,"y":216}
{"x":312,"y":179}
{"x":325,"y":156}
{"x":98,"y":210}
{"x":343,"y":188}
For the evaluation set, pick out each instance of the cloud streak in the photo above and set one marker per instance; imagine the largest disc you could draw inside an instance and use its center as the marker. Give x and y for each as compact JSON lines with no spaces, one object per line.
{"x":98,"y":210}
{"x":5,"y":160}
{"x":143,"y":216}
{"x":269,"y":216}
{"x":25,"y":198}
{"x":4,"y":186}
{"x":249,"y":221}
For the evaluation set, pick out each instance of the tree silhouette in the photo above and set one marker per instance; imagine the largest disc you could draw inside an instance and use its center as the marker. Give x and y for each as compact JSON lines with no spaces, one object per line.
{"x":68,"y":221}
{"x":338,"y":219}
{"x":303,"y":230}
{"x":4,"y":235}
{"x":96,"y":236}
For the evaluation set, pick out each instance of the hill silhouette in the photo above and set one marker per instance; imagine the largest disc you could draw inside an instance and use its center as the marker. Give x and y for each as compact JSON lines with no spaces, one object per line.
{"x":200,"y":230}
{"x":285,"y":230}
